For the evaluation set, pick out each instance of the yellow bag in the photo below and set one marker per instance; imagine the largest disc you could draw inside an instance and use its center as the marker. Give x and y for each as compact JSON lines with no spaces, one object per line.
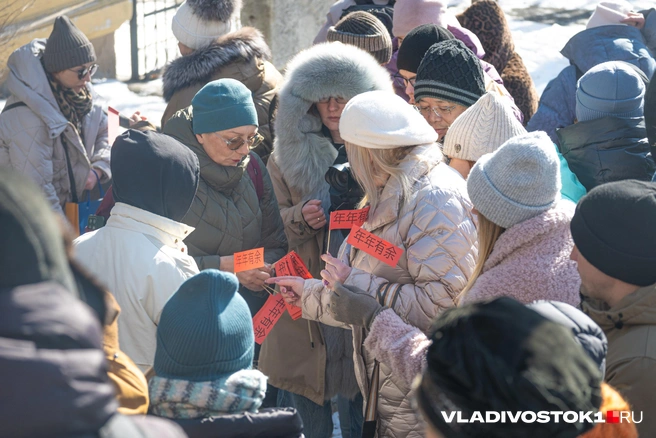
{"x":72,"y":212}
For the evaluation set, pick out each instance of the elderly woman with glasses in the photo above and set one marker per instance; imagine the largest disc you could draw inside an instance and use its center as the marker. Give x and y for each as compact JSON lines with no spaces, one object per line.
{"x":52,"y":128}
{"x":235,"y":208}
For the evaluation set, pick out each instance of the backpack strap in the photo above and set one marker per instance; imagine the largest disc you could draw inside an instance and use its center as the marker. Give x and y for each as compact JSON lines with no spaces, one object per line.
{"x":12,"y":106}
{"x":255,"y":172}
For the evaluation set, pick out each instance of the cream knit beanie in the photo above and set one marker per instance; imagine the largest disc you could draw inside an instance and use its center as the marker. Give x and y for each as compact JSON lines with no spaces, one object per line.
{"x":518,"y":181}
{"x":383,"y":120}
{"x":197,"y":24}
{"x":609,"y":13}
{"x":482,"y":128}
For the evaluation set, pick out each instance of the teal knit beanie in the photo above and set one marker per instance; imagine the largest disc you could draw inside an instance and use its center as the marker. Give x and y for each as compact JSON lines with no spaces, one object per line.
{"x":223,"y":104}
{"x":205,"y":331}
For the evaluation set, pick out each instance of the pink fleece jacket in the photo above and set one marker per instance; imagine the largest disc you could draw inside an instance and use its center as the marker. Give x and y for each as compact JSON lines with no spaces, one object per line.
{"x":530,"y":261}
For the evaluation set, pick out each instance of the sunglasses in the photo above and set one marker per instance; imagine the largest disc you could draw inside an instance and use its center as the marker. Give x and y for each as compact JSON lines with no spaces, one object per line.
{"x":237,"y":143}
{"x":83,"y":72}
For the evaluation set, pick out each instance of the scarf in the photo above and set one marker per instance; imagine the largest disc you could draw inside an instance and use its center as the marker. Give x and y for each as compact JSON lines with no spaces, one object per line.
{"x":240,"y":392}
{"x":74,"y":106}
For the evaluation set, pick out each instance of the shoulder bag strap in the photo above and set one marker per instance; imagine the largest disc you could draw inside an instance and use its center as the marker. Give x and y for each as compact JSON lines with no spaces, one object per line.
{"x":255,"y":173}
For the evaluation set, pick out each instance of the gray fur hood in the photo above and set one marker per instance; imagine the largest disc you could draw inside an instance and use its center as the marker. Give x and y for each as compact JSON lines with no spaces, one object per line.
{"x":199,"y":67}
{"x":302,"y":153}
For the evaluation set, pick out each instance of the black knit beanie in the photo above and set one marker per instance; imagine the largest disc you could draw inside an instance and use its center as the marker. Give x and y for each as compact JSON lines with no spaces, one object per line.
{"x":154,"y":172}
{"x":67,"y":47}
{"x":451,"y":72}
{"x":417,"y":42}
{"x":363,"y":30}
{"x":613,"y":228}
{"x":502,"y":356}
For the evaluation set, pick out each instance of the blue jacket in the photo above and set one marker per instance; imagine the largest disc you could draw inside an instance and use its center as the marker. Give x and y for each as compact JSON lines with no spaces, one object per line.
{"x":585,"y":50}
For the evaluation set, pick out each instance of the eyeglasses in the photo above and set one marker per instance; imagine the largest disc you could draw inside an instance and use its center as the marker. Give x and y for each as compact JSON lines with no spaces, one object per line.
{"x":438,"y":111}
{"x":339,"y":100}
{"x":238,"y":142}
{"x":82,"y":73}
{"x":406,"y":82}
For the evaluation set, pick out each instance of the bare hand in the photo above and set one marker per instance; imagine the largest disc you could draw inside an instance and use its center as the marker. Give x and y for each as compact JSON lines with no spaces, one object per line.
{"x":635,"y":19}
{"x":92,"y":180}
{"x":291,"y":288}
{"x":136,"y":118}
{"x":254,"y":279}
{"x":313,"y":214}
{"x":336,"y":271}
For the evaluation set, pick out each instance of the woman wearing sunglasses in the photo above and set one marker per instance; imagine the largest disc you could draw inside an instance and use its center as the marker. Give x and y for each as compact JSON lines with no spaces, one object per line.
{"x":52,"y":128}
{"x":235,"y":208}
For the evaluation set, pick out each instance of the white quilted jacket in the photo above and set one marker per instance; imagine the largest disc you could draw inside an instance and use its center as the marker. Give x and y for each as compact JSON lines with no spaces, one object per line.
{"x":30,"y":136}
{"x":435,"y":228}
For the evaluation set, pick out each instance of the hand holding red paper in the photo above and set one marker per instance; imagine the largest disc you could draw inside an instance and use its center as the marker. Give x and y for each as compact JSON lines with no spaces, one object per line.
{"x":250,"y":268}
{"x":336,"y":271}
{"x":291,"y":288}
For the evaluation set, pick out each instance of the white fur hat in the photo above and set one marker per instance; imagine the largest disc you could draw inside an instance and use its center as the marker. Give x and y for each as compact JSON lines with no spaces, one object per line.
{"x":481,"y":129}
{"x":383,"y":120}
{"x":198,"y":23}
{"x":608,"y":13}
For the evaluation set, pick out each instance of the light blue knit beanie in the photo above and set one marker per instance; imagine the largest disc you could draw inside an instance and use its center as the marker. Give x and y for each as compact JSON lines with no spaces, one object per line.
{"x":205,"y":331}
{"x":518,"y":181}
{"x":222,"y":104}
{"x":610,"y":89}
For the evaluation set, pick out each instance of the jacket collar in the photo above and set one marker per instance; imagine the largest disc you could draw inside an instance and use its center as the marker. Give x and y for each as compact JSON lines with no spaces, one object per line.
{"x":167,"y":231}
{"x":638,"y":308}
{"x":200,"y":66}
{"x":418,"y":163}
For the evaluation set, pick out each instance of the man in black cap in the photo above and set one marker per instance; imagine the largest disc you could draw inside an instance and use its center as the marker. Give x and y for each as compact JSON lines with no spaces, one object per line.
{"x":615,"y":248}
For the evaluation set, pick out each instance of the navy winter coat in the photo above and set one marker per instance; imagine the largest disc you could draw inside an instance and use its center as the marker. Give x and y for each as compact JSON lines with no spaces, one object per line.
{"x":585,"y":50}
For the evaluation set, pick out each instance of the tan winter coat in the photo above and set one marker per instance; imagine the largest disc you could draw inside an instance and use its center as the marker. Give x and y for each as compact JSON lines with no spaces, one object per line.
{"x":31,"y":135}
{"x":630,"y":327}
{"x":435,"y":228}
{"x":242,"y":55}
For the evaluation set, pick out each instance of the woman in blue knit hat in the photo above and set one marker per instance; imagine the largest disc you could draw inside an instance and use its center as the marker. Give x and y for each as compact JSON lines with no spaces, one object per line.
{"x":204,"y":360}
{"x":235,"y":208}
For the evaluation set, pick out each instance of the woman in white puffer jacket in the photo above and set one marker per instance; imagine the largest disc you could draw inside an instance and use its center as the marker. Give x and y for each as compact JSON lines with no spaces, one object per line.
{"x":420,"y":205}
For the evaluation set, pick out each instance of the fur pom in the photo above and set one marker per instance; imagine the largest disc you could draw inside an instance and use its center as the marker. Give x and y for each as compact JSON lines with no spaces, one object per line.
{"x":215,"y":10}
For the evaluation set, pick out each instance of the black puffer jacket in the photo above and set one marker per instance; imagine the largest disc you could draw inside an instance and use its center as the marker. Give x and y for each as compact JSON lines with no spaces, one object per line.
{"x":267,"y":423}
{"x":608,"y":149}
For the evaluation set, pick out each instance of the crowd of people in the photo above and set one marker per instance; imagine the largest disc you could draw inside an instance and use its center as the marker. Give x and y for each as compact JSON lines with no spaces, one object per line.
{"x":522,"y":279}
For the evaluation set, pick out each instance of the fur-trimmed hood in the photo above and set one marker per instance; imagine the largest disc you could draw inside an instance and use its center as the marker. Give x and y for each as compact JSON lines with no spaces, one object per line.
{"x":325,"y":70}
{"x":199,"y":67}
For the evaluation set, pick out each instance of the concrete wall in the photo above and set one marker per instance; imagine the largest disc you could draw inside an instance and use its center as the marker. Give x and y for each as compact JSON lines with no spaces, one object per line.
{"x":288,"y":25}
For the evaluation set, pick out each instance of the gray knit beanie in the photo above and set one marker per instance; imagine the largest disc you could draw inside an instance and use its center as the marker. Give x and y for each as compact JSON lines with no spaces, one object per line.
{"x":67,"y":47}
{"x":482,"y":128}
{"x":363,"y":30}
{"x":518,"y":181}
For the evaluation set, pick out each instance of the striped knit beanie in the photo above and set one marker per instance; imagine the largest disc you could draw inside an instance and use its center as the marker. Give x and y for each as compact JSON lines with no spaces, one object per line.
{"x":363,"y":30}
{"x":482,"y":128}
{"x":450,"y":72}
{"x":205,"y":330}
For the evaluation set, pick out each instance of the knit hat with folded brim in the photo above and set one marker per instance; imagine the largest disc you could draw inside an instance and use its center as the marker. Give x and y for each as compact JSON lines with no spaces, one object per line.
{"x":482,"y":129}
{"x":67,"y":47}
{"x":450,"y":72}
{"x":518,"y":181}
{"x":416,"y":44}
{"x":383,"y":120}
{"x":363,"y":30}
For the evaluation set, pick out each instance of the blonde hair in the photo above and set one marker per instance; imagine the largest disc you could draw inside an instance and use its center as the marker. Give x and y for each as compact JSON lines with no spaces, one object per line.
{"x":488,"y":234}
{"x":373,"y":167}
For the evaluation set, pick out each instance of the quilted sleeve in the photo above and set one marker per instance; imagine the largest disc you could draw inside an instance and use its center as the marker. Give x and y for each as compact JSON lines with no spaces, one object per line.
{"x":102,"y":150}
{"x":557,"y":104}
{"x":28,"y":148}
{"x":274,"y":239}
{"x":297,"y":231}
{"x":441,"y":251}
{"x":315,"y":303}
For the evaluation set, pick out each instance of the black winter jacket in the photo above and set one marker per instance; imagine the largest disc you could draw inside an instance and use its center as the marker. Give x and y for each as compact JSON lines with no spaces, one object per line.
{"x":608,"y":149}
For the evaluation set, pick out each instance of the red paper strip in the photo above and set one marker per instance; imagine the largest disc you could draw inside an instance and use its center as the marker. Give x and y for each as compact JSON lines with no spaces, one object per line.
{"x":294,"y":311}
{"x":267,"y":317}
{"x":374,"y":246}
{"x":247,"y":260}
{"x":112,"y":125}
{"x":345,"y":219}
{"x":293,"y":265}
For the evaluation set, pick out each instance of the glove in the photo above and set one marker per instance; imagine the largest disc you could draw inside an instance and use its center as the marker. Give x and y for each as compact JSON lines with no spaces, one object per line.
{"x":353,"y":306}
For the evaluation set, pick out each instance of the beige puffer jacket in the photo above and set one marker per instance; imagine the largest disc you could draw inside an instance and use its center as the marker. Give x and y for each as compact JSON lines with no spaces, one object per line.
{"x":435,"y":228}
{"x":31,"y":134}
